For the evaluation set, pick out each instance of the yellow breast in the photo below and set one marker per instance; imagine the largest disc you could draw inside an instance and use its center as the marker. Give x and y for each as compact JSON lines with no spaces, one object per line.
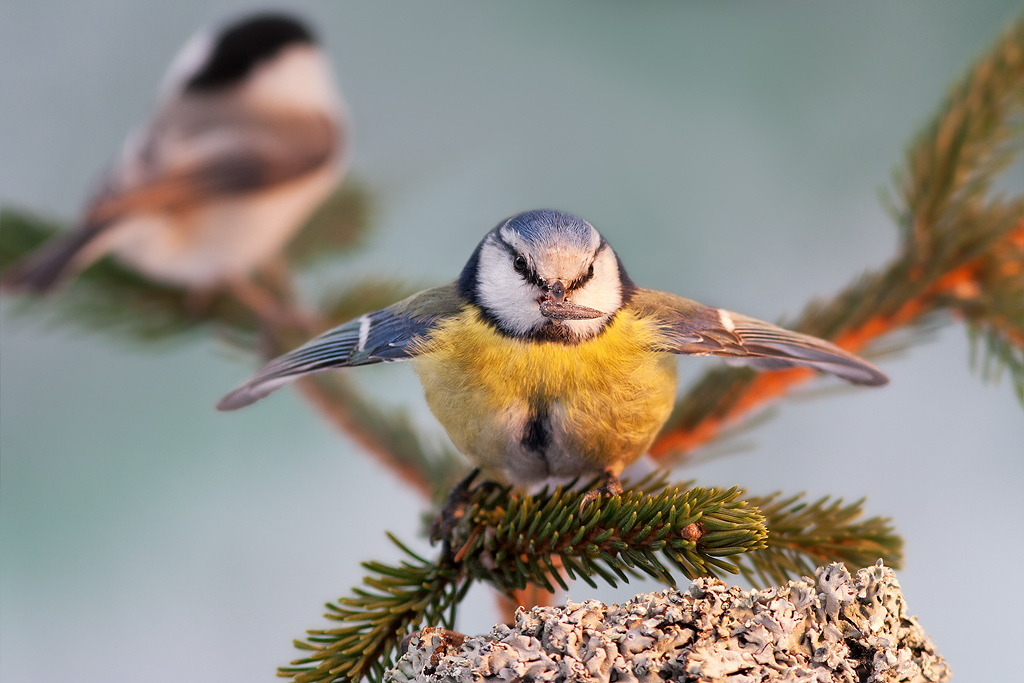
{"x":531,"y":409}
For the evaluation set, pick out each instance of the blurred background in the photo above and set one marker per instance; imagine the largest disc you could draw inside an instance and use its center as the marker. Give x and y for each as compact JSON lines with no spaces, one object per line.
{"x":732,"y":153}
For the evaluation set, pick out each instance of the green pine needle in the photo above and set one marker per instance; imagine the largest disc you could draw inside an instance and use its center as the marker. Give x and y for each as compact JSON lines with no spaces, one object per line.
{"x":804,"y":535}
{"x":340,"y":224}
{"x":373,"y":622}
{"x":507,"y":539}
{"x":112,"y":299}
{"x":655,"y":529}
{"x":511,"y":541}
{"x":950,"y":220}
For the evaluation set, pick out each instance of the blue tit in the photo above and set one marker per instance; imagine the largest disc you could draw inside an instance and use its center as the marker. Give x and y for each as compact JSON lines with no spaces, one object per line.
{"x":244,"y":143}
{"x":544,"y":359}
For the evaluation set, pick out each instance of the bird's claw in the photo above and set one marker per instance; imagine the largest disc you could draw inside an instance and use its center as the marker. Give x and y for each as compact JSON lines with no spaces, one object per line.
{"x":612,"y":486}
{"x":453,"y":510}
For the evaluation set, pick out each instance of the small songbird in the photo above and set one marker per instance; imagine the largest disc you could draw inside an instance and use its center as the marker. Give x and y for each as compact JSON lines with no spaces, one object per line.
{"x":244,"y":143}
{"x":544,"y":359}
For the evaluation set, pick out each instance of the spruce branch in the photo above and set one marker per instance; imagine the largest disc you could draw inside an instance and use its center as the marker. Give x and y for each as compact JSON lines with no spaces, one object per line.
{"x":396,"y":600}
{"x":108,"y":297}
{"x":510,"y":542}
{"x":114,"y":300}
{"x":989,"y":299}
{"x":340,"y":224}
{"x":962,"y":253}
{"x":429,"y":466}
{"x":804,"y":535}
{"x":655,"y":528}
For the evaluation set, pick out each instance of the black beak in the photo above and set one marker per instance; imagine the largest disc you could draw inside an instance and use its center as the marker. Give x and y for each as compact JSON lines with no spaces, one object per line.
{"x":567,"y":310}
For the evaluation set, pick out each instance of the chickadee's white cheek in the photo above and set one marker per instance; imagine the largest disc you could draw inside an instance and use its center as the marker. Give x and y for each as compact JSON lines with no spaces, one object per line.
{"x":298,"y":78}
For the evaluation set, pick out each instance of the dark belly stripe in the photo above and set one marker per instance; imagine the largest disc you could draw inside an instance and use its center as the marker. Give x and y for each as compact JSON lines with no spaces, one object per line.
{"x":536,"y":436}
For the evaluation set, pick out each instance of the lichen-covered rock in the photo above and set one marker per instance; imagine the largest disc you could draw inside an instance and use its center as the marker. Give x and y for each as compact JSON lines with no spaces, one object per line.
{"x":834,"y":629}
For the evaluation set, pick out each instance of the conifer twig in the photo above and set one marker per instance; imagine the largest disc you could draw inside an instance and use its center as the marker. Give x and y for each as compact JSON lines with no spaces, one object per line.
{"x":395,"y":601}
{"x":962,"y":252}
{"x":655,"y":529}
{"x":114,"y":300}
{"x":511,"y":542}
{"x":340,"y":224}
{"x":803,"y":535}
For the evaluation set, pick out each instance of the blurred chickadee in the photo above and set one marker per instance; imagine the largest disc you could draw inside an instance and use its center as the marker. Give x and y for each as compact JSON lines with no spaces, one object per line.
{"x":544,"y":359}
{"x":244,"y":143}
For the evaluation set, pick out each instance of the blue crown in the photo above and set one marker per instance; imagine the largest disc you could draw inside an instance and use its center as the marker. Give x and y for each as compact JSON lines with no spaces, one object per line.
{"x":543,"y":224}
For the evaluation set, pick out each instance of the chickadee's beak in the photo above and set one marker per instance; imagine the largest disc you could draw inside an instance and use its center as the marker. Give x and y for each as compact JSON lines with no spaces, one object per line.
{"x":556,"y":307}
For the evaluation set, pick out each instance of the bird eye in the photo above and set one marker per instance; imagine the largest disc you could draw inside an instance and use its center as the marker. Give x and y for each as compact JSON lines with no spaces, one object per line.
{"x":519,"y":264}
{"x":590,"y":271}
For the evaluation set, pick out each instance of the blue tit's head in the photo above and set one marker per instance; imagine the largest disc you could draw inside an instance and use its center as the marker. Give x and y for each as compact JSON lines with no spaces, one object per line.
{"x":546,"y":275}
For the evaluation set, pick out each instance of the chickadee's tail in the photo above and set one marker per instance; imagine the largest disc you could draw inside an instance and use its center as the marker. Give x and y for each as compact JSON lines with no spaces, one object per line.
{"x":45,"y":268}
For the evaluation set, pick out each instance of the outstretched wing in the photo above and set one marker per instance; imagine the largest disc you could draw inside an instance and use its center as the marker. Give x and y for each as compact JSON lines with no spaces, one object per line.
{"x":390,"y":334}
{"x":694,"y":329}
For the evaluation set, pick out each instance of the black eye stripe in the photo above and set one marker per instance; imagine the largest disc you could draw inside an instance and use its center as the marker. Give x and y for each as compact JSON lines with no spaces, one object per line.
{"x":581,"y":281}
{"x":528,"y":274}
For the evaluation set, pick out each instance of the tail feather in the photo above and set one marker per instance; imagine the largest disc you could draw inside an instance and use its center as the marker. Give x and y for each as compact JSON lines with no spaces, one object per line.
{"x":44,"y":269}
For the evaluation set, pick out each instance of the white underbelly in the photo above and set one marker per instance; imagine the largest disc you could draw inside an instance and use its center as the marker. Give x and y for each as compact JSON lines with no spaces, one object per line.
{"x":221,"y":240}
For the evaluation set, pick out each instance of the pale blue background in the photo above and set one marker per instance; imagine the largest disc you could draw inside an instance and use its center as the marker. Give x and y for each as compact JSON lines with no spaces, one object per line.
{"x":731,"y":151}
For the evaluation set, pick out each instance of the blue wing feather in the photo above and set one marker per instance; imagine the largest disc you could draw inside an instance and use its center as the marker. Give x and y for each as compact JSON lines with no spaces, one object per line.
{"x":387,"y":335}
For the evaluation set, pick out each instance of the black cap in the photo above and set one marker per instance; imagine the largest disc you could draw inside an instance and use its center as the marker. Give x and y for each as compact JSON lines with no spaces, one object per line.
{"x":241,"y":46}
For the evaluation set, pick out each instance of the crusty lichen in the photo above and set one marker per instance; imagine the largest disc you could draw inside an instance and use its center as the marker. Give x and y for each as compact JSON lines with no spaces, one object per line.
{"x":833,"y":628}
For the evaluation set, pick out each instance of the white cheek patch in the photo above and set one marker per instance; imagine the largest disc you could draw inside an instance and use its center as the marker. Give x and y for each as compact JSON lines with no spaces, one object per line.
{"x":602,"y":292}
{"x":297,"y":78}
{"x":505,"y":294}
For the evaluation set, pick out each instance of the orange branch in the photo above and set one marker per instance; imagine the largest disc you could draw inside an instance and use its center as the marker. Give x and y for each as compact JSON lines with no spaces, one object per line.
{"x":337,"y":412}
{"x":963,"y":283}
{"x":766,"y":387}
{"x":529,"y":597}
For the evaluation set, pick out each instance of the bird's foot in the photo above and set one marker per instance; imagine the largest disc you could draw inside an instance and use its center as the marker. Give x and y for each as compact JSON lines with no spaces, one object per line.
{"x":453,"y":510}
{"x":612,"y":486}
